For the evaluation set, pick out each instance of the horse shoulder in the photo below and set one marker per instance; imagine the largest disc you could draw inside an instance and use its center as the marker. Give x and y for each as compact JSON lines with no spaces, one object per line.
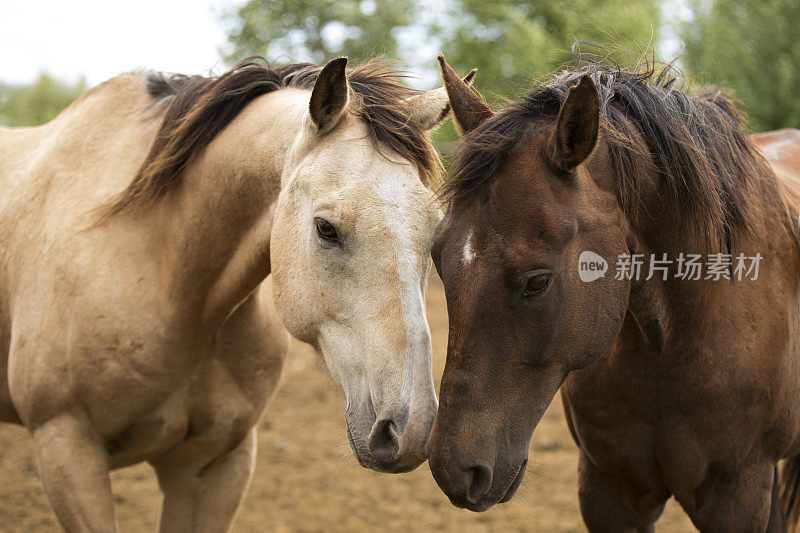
{"x":251,"y":346}
{"x":238,"y":377}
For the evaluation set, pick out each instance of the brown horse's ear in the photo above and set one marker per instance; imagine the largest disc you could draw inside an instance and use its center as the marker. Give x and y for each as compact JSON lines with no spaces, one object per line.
{"x":469,"y":109}
{"x":431,"y":107}
{"x":578,"y":125}
{"x":329,"y":96}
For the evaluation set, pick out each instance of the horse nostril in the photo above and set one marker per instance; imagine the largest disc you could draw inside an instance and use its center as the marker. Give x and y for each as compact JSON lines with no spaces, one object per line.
{"x":480,"y":481}
{"x":382,"y":441}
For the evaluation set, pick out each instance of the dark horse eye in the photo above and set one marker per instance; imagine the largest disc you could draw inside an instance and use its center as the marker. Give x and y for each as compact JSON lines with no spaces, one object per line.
{"x":326,"y":230}
{"x":536,"y":285}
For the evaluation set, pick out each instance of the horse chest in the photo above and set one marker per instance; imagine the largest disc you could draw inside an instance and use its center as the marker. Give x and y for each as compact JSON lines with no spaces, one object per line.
{"x":212,"y":412}
{"x":149,"y":383}
{"x":663,"y":428}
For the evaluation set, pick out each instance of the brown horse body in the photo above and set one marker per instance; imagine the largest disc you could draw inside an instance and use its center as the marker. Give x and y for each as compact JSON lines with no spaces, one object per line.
{"x":671,"y":386}
{"x":705,"y":415}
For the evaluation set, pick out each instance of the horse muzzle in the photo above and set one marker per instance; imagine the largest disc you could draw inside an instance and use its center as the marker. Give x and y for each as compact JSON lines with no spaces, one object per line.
{"x":385,"y":448}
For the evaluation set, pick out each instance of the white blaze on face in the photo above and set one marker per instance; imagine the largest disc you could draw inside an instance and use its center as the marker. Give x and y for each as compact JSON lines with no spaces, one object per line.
{"x":398,"y":199}
{"x":469,"y":253}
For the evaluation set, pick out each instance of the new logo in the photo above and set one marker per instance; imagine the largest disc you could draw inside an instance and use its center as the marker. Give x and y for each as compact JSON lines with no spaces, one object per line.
{"x":591,"y":266}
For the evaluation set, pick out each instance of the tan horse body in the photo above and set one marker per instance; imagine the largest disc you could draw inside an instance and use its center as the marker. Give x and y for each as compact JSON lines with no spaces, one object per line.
{"x":149,"y":336}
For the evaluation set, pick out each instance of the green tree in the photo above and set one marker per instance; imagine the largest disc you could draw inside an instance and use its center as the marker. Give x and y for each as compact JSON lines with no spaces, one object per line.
{"x":316,"y":30}
{"x":753,"y":47}
{"x":513,"y":42}
{"x":34,"y":104}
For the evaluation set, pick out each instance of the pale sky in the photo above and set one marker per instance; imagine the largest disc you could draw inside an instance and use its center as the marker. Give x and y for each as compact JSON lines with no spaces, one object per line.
{"x":102,"y":38}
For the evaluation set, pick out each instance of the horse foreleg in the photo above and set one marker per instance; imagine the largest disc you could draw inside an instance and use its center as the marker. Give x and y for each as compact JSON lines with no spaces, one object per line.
{"x":777,"y":518}
{"x":734,"y":500}
{"x":201,"y":497}
{"x":73,"y":464}
{"x":607,"y":507}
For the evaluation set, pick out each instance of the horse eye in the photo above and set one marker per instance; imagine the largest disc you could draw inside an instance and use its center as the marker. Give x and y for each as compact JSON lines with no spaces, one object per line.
{"x":536,"y":285}
{"x":326,"y":230}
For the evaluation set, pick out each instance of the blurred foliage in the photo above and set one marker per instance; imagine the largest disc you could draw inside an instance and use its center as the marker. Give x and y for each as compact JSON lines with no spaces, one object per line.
{"x":753,"y":47}
{"x":37,"y":103}
{"x":316,"y":30}
{"x":512,"y":42}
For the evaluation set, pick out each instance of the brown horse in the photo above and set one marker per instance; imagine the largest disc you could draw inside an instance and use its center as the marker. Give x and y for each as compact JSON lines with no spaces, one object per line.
{"x":672,"y":386}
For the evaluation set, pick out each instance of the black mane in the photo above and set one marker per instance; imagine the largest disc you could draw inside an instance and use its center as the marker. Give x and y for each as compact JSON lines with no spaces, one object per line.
{"x":697,"y":143}
{"x":200,"y":107}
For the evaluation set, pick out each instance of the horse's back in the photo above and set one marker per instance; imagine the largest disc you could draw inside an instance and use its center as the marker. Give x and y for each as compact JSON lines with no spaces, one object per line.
{"x":779,"y":145}
{"x":782,"y":149}
{"x":86,"y":146}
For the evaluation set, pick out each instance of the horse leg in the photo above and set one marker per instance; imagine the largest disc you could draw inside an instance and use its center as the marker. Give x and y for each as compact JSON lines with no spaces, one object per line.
{"x":607,"y":507}
{"x":777,"y":518}
{"x":740,"y":500}
{"x":205,"y":497}
{"x":73,"y":464}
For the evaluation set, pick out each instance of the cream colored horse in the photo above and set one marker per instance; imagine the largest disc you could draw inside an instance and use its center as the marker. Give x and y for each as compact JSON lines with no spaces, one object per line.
{"x":132,"y":324}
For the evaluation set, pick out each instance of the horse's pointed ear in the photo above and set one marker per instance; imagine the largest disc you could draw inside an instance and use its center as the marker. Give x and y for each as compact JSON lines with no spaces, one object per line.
{"x":329,"y":96}
{"x":431,"y":107}
{"x":469,"y":109}
{"x":575,"y":133}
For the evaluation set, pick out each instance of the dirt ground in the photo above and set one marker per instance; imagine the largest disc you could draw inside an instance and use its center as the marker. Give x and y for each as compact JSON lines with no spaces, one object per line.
{"x":307,"y":480}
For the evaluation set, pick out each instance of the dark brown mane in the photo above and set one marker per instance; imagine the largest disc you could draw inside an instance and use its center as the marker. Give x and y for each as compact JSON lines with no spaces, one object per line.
{"x":201,"y":107}
{"x":698,"y":144}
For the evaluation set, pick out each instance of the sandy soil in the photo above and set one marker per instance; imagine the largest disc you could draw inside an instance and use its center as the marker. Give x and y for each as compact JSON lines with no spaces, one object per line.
{"x":306,"y":479}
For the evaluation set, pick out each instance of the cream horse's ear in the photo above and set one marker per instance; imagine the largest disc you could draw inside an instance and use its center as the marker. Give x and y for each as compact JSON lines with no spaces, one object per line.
{"x":330,"y":95}
{"x":431,"y":107}
{"x":469,"y":108}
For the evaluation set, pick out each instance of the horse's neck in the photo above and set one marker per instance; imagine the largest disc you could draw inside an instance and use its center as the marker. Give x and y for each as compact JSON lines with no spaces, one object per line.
{"x":220,"y":218}
{"x":682,"y":319}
